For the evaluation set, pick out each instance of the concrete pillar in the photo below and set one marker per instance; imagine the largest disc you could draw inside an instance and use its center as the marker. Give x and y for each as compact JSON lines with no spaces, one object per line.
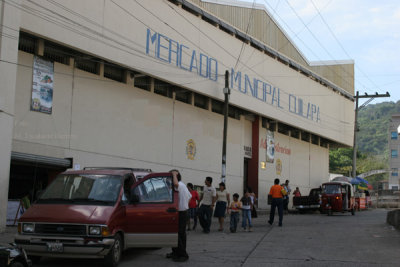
{"x":9,"y":19}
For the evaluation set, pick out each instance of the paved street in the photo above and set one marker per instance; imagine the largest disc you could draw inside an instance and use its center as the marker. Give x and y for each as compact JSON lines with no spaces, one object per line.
{"x":304,"y":240}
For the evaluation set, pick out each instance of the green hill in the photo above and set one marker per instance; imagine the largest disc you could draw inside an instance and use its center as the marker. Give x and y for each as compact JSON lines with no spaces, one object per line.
{"x":373,"y":121}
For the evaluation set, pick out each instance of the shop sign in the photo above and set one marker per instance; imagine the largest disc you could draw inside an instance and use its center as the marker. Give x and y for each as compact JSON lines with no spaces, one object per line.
{"x":270,"y":148}
{"x":42,"y":86}
{"x":190,"y":149}
{"x":247,"y":151}
{"x":278,"y":167}
{"x":189,"y":59}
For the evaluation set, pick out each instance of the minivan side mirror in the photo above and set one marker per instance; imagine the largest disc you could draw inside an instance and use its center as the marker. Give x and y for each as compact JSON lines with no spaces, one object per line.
{"x":135,"y":198}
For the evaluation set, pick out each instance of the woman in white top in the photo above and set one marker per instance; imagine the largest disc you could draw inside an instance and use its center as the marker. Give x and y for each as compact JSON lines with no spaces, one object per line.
{"x":223,"y":201}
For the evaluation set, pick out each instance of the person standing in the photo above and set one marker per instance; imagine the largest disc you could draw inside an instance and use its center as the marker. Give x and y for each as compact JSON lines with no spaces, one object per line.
{"x":246,"y":211}
{"x":277,"y":202}
{"x":207,"y":199}
{"x":296,"y":192}
{"x":286,"y":197}
{"x":234,"y":208}
{"x":193,"y":203}
{"x":253,"y":202}
{"x":179,"y":253}
{"x":223,"y":201}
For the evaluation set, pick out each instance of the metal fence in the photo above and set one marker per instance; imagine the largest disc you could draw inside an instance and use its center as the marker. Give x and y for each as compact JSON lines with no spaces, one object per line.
{"x":386,"y":199}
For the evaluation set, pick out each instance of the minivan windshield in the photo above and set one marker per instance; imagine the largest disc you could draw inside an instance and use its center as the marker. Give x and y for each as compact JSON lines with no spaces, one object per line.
{"x":331,"y":189}
{"x":90,"y":189}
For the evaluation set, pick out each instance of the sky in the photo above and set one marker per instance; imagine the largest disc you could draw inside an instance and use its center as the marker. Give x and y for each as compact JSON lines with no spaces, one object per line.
{"x":365,"y":31}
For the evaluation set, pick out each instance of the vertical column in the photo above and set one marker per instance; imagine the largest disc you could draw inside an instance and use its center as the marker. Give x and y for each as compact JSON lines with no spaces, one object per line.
{"x":9,"y":27}
{"x":254,"y":162}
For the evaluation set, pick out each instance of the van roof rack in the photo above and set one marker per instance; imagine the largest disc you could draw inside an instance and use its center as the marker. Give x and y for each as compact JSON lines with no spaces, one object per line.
{"x":117,"y":168}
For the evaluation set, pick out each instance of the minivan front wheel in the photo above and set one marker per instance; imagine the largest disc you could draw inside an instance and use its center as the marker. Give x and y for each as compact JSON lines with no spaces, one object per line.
{"x":114,"y":256}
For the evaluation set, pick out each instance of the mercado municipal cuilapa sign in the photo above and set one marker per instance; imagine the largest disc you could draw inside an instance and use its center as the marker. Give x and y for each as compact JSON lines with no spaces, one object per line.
{"x":188,"y":59}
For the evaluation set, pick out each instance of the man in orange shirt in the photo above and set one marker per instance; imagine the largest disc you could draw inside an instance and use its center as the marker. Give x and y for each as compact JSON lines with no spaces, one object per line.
{"x":277,"y":202}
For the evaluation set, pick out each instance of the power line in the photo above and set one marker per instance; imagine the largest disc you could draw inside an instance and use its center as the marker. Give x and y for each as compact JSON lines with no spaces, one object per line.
{"x":247,"y":30}
{"x":305,"y":45}
{"x":337,"y":40}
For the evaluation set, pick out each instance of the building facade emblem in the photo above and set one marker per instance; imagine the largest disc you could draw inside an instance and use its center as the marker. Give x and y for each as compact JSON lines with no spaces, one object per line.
{"x":190,"y":149}
{"x":278,"y":167}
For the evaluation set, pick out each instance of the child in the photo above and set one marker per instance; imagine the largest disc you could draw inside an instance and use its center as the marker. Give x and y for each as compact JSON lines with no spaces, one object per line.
{"x":234,"y":208}
{"x":193,"y":203}
{"x":246,"y":211}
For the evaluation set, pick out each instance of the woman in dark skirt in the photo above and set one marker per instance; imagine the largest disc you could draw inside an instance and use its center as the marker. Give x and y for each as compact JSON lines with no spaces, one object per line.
{"x":223,"y":201}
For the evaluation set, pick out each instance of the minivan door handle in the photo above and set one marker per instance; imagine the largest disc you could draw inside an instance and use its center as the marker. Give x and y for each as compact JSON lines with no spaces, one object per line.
{"x":172,"y":210}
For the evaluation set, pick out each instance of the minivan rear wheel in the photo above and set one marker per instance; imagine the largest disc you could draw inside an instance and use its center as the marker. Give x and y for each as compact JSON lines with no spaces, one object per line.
{"x":114,"y":256}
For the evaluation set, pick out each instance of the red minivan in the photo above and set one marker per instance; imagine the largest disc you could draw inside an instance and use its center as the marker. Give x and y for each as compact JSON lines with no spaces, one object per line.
{"x":99,"y":212}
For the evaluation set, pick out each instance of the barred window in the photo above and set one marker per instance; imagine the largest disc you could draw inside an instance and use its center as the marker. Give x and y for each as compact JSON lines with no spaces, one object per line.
{"x":113,"y":72}
{"x":56,"y":53}
{"x":217,"y":106}
{"x":183,"y":95}
{"x":89,"y":65}
{"x":27,"y":43}
{"x":163,"y":88}
{"x":142,"y":81}
{"x":200,"y":101}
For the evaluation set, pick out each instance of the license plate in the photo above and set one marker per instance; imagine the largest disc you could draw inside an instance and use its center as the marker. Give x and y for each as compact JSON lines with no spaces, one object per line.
{"x":55,"y":247}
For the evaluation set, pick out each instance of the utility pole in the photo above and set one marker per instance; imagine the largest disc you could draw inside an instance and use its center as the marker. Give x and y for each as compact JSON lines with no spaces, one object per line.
{"x":357,"y":96}
{"x":227,"y":92}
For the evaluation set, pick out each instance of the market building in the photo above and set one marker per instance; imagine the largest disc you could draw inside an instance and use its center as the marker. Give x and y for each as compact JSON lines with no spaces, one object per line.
{"x":140,"y":84}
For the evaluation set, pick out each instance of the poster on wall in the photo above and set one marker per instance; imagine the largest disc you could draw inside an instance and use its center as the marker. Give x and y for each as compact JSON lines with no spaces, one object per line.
{"x":42,"y":86}
{"x":270,"y":147}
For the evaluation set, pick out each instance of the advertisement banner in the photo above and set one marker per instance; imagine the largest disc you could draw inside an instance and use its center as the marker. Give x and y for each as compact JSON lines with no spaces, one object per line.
{"x":270,"y":147}
{"x":42,"y":86}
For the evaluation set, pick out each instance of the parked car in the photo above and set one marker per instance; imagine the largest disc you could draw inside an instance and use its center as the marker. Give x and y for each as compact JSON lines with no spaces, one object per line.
{"x":310,"y":202}
{"x":98,"y":213}
{"x":13,"y":256}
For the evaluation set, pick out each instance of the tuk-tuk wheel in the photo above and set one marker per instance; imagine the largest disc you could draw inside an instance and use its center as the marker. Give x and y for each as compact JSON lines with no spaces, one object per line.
{"x":329,"y":212}
{"x":353,"y":211}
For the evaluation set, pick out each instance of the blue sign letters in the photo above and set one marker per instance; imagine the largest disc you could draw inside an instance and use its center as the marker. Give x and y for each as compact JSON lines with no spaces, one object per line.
{"x":173,"y":52}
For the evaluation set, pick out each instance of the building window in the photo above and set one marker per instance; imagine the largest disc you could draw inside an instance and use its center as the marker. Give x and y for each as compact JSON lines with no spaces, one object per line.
{"x":395,"y":172}
{"x":113,"y":72}
{"x":57,"y":53}
{"x":183,"y":95}
{"x":217,"y":106}
{"x":27,"y":43}
{"x":163,"y":88}
{"x":234,"y":112}
{"x":142,"y":81}
{"x":200,"y":101}
{"x":394,"y":153}
{"x":305,"y":136}
{"x":394,"y":135}
{"x":89,"y":65}
{"x":314,"y":139}
{"x":283,"y":129}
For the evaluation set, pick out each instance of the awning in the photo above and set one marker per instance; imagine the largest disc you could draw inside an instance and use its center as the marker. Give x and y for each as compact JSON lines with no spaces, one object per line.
{"x":41,"y":160}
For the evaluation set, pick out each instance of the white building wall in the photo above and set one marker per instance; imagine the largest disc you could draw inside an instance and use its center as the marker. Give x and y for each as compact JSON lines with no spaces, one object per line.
{"x":119,"y":33}
{"x":305,"y":166}
{"x":100,"y":122}
{"x":9,"y":21}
